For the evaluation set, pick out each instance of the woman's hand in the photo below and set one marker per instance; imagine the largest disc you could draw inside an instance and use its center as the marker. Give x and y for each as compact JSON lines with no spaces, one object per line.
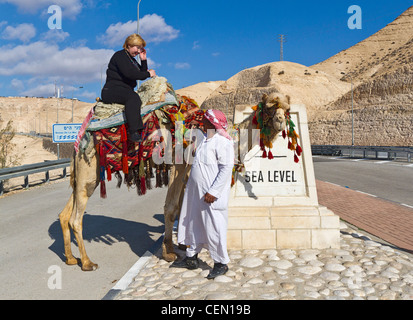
{"x":208,"y":198}
{"x":152,"y":73}
{"x":142,"y":54}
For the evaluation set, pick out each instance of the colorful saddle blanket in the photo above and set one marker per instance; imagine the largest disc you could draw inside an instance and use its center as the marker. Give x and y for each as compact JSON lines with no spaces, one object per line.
{"x":107,"y":125}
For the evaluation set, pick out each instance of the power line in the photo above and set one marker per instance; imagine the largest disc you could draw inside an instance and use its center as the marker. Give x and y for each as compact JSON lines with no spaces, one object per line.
{"x":281,"y":40}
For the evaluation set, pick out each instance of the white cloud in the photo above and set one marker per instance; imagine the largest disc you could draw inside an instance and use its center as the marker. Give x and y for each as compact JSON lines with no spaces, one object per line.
{"x":155,"y":29}
{"x":43,"y":90}
{"x":182,"y":65}
{"x":196,"y":45}
{"x":23,"y":32}
{"x":152,"y":28}
{"x":55,"y":35}
{"x":41,"y":59}
{"x":17,"y":84}
{"x":70,"y":7}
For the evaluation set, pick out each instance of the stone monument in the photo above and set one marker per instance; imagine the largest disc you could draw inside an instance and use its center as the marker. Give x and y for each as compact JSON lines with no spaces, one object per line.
{"x":274,"y":204}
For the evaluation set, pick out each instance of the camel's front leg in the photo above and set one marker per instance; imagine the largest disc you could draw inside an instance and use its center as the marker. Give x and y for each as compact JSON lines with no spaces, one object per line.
{"x":64,"y":217}
{"x":172,"y":207}
{"x":77,"y":226}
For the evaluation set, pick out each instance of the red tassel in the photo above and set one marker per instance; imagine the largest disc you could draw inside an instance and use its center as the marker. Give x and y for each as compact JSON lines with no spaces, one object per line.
{"x":109,"y":173}
{"x":254,"y":120}
{"x":284,"y":134}
{"x":124,"y":140}
{"x":264,"y":154}
{"x":289,"y":144}
{"x":299,"y":150}
{"x":262,"y":145}
{"x":270,"y":156}
{"x":103,"y":189}
{"x":143,"y":185}
{"x":296,"y":158}
{"x":125,"y":167}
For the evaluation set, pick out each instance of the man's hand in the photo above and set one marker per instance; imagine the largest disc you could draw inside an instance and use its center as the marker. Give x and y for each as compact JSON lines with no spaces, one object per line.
{"x":209,"y":198}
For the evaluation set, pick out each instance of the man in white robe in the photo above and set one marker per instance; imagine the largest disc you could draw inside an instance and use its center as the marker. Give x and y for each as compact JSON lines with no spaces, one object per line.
{"x":204,"y":215}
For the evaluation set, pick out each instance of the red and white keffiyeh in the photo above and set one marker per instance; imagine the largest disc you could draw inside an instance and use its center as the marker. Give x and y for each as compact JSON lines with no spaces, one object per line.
{"x":218,"y":119}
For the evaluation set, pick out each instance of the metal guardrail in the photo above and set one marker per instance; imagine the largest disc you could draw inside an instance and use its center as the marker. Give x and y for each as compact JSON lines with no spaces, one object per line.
{"x":389,"y":153}
{"x":26,"y":170}
{"x":365,"y":152}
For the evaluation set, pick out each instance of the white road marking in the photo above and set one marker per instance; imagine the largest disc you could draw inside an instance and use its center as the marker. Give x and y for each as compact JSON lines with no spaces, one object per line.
{"x":124,"y":282}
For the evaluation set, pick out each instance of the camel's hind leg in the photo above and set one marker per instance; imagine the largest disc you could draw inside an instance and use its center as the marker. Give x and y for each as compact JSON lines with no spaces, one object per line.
{"x":76,"y":222}
{"x":86,"y":182}
{"x":64,"y":217}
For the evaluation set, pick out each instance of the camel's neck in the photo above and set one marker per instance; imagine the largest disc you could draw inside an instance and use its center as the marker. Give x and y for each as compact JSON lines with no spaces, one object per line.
{"x":248,"y":136}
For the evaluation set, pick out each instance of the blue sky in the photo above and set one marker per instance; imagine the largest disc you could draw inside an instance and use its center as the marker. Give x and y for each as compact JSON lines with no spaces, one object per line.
{"x":188,"y":41}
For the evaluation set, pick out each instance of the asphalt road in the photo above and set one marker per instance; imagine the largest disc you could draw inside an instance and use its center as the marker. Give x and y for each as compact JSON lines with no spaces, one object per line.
{"x":120,"y":229}
{"x":117,"y":231}
{"x":388,"y":180}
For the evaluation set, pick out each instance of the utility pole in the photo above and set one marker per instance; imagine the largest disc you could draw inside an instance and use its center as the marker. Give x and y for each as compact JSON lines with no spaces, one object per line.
{"x":281,"y":40}
{"x":138,"y":16}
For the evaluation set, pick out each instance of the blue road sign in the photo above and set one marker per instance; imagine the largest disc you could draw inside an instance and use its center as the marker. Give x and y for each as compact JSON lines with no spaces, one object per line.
{"x":65,"y":132}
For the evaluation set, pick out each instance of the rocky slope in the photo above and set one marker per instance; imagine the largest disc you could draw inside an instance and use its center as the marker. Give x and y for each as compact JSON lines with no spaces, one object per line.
{"x":381,"y":69}
{"x":39,"y":114}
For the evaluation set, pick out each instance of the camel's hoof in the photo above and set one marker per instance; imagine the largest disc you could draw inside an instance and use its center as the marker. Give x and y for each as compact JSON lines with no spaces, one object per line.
{"x":168,"y":254}
{"x":170,"y":257}
{"x":89,"y":267}
{"x":72,"y":261}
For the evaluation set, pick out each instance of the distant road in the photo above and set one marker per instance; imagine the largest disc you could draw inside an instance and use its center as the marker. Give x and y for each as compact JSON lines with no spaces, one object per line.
{"x":389,"y":180}
{"x":117,"y":231}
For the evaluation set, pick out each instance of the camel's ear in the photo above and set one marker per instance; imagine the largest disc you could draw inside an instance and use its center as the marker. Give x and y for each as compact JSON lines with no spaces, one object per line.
{"x":264,"y":98}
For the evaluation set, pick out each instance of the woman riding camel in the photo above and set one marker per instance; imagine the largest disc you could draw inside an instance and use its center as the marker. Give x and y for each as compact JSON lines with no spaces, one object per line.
{"x":121,"y":76}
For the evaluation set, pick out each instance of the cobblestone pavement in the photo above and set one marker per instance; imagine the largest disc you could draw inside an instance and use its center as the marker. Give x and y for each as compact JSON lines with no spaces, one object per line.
{"x":363,"y":268}
{"x":378,"y":267}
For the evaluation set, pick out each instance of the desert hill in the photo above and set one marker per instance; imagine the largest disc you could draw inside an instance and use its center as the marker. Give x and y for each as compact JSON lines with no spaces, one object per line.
{"x":381,"y":69}
{"x":303,"y":84}
{"x":383,"y":52}
{"x":200,"y":91}
{"x":39,"y":114}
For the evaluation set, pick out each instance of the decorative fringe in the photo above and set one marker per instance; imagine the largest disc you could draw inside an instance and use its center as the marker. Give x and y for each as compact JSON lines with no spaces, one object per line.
{"x":148,"y":175}
{"x":143,"y":186}
{"x":124,"y":140}
{"x":119,"y":177}
{"x":296,"y":158}
{"x":102,"y":163}
{"x":158,"y":176}
{"x":165,"y":177}
{"x":299,"y":150}
{"x":270,"y":156}
{"x":103,"y":189}
{"x":109,"y":173}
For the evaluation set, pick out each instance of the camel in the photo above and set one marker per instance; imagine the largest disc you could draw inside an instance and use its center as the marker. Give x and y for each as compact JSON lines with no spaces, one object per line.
{"x":84,"y":179}
{"x":275,"y":106}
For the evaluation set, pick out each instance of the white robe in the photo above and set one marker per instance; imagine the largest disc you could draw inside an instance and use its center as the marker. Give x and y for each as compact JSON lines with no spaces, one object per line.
{"x":204,"y":225}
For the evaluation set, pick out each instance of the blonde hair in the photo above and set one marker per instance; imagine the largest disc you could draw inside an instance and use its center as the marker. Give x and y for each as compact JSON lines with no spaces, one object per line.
{"x":134,"y":40}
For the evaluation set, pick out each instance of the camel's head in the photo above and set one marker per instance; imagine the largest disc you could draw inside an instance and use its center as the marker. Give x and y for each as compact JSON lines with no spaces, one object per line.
{"x":275,"y":106}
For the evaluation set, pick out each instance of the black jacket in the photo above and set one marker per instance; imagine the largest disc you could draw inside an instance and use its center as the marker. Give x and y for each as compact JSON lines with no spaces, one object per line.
{"x":123,"y":70}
